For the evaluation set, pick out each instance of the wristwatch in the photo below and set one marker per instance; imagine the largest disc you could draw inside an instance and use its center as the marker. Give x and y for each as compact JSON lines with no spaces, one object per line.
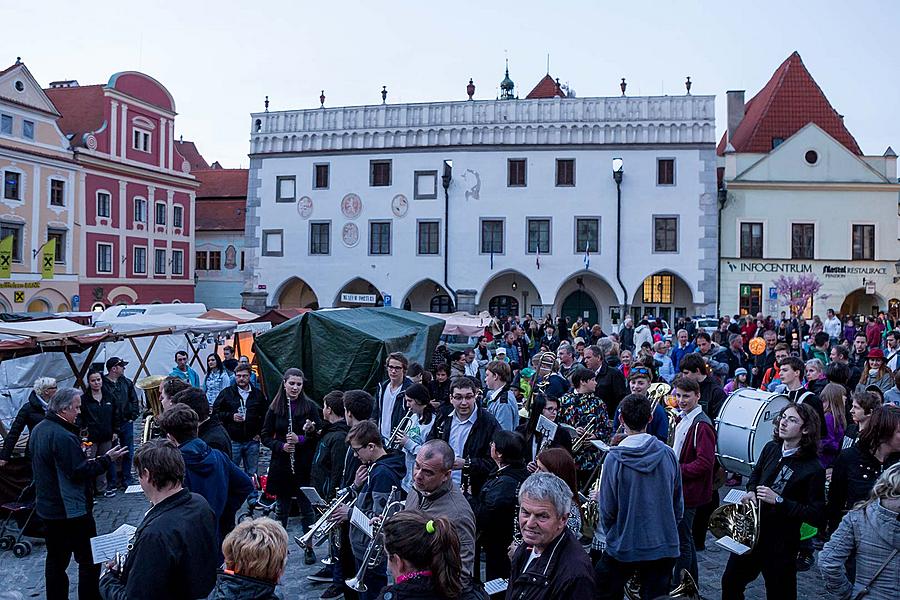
{"x":778,"y":499}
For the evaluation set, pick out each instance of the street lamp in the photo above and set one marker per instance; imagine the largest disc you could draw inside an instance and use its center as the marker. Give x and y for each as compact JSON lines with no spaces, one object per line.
{"x":618,"y":170}
{"x":446,"y":177}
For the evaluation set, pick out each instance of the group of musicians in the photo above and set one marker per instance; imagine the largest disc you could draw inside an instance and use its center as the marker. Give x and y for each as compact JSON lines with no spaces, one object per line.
{"x":418,"y":491}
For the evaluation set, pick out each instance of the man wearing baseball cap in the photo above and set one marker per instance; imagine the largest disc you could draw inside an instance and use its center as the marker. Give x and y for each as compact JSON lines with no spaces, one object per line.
{"x":122,"y":390}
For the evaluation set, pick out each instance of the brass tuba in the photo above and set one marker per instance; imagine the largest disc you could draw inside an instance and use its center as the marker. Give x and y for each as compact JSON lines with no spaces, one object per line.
{"x":739,"y":521}
{"x":686,"y":590}
{"x":152,"y":388}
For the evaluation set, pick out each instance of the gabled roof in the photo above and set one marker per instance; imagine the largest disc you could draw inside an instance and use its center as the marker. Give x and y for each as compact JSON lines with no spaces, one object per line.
{"x":81,"y":109}
{"x":790,"y":100}
{"x":29,"y":95}
{"x":190,"y":153}
{"x":222,"y":183}
{"x":547,"y":87}
{"x":220,"y":215}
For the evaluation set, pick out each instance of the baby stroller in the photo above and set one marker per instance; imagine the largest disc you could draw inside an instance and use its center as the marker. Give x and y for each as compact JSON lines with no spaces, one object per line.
{"x":28,"y":525}
{"x":264,"y":503}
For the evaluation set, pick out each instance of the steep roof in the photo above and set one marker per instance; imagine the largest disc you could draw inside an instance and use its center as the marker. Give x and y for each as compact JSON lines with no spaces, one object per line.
{"x":790,"y":100}
{"x":190,"y":153}
{"x":220,"y":215}
{"x":221,"y":183}
{"x":81,"y":109}
{"x":546,"y":88}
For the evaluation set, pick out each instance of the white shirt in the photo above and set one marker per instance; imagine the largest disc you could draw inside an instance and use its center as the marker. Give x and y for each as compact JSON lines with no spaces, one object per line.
{"x":244,"y":394}
{"x":832,"y":327}
{"x":388,"y":398}
{"x":459,"y":433}
{"x":681,"y":430}
{"x":472,"y":369}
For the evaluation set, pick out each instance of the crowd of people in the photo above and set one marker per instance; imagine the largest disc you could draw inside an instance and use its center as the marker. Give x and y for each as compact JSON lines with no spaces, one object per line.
{"x":552,"y":461}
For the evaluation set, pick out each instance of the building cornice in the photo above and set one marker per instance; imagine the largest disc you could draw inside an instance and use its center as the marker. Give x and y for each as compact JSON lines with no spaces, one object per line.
{"x":842,"y":186}
{"x":101,"y":161}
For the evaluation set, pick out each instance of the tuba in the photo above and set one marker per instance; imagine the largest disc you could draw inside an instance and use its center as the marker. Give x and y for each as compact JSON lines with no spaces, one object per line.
{"x":152,"y":388}
{"x":686,"y":590}
{"x":739,"y":521}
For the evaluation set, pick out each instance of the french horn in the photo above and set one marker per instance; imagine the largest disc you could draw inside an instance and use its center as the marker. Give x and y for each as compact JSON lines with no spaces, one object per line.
{"x":739,"y":521}
{"x":687,"y":589}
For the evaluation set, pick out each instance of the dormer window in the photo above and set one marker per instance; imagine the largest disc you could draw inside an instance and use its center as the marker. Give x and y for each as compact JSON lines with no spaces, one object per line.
{"x":141,"y":140}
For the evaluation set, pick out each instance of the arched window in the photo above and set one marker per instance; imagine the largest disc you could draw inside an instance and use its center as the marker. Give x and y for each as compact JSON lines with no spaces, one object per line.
{"x":441,"y":304}
{"x":503,"y":306}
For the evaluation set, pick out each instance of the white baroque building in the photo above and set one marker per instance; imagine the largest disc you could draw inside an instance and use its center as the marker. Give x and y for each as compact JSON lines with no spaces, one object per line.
{"x":347,"y":206}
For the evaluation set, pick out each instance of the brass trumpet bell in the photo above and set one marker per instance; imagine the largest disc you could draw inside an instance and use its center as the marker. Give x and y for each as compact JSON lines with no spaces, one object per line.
{"x":739,"y":521}
{"x":152,"y":388}
{"x":687,"y":589}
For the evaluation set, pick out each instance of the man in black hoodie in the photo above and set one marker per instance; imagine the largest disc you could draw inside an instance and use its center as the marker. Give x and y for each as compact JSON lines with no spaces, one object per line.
{"x":174,"y":552}
{"x":210,"y":429}
{"x":241,"y":408}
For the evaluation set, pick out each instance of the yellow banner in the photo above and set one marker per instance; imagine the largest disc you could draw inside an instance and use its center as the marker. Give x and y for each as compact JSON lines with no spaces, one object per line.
{"x":6,"y":250}
{"x":48,"y":256}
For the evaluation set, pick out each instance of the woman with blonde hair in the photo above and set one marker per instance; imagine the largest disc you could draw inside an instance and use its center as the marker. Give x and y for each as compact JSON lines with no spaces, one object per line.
{"x":255,"y":556}
{"x":833,"y":397}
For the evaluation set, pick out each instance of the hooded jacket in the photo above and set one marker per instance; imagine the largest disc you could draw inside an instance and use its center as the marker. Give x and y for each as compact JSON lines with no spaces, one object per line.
{"x":328,"y":464}
{"x":231,"y":586}
{"x":386,"y":473}
{"x":640,"y":478}
{"x":215,"y":435}
{"x":642,"y":334}
{"x":127,"y":406}
{"x":30,"y":414}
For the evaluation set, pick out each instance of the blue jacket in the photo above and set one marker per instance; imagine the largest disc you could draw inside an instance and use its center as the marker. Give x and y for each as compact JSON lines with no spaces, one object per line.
{"x":640,"y":501}
{"x":190,"y":377}
{"x":679,"y":353}
{"x":658,"y":427}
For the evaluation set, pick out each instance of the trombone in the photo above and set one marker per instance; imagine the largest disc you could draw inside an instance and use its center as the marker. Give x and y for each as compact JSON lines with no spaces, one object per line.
{"x":375,"y":549}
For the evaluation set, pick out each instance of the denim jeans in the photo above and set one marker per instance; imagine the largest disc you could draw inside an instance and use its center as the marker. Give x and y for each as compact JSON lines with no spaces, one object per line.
{"x":246,"y":456}
{"x":688,"y":557}
{"x":126,"y":438}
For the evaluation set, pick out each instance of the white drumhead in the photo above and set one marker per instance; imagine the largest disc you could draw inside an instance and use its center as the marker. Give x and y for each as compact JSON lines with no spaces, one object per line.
{"x":744,"y":426}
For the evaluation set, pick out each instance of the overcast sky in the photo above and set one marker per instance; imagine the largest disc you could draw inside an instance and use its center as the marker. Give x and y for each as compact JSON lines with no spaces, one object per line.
{"x":219,"y":59}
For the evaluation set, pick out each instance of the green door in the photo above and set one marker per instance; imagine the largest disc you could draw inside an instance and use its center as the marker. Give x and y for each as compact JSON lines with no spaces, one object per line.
{"x":579,"y":304}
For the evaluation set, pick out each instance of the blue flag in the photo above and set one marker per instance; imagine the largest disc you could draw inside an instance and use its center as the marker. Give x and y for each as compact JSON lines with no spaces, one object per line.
{"x":587,"y":255}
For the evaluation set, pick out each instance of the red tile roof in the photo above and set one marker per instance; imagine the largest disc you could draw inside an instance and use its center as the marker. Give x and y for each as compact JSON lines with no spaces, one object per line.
{"x":222,"y":183}
{"x":190,"y":153}
{"x":220,"y":215}
{"x":789,"y":101}
{"x":546,"y":88}
{"x":81,"y":109}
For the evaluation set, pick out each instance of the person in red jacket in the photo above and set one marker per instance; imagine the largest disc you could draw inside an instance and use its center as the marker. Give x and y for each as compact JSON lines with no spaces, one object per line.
{"x":695,"y":447}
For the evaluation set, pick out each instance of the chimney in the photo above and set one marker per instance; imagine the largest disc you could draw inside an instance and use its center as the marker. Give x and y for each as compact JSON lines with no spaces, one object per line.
{"x":735,"y":111}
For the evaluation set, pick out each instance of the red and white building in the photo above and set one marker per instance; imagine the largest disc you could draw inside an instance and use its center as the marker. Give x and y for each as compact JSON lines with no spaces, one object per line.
{"x":137,"y":213}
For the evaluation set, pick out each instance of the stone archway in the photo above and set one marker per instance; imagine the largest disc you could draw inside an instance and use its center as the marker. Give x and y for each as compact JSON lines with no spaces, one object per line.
{"x":858,"y":302}
{"x":665,"y":295}
{"x":509,"y":292}
{"x":296,"y":293}
{"x":586,"y":292}
{"x":428,"y":296}
{"x":358,"y":292}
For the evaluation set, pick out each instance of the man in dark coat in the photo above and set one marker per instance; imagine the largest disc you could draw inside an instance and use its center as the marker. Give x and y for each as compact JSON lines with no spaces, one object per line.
{"x":127,"y":408}
{"x":390,"y":401}
{"x":172,"y":550}
{"x":30,"y":414}
{"x":611,"y":384}
{"x":241,"y":409}
{"x":328,"y":465}
{"x":210,"y":429}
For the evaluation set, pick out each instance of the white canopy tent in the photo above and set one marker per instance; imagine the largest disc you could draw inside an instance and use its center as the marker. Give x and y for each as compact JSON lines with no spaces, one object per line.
{"x":461,"y":323}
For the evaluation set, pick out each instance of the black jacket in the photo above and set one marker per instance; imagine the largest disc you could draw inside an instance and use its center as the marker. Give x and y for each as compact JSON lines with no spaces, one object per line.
{"x":229,"y":402}
{"x":808,"y":397}
{"x":853,"y":476}
{"x":562,"y":439}
{"x":495,"y":511}
{"x":734,"y":362}
{"x":417,"y":588}
{"x":127,"y":406}
{"x":30,"y":414}
{"x":611,"y":386}
{"x":63,"y":475}
{"x":100,"y":418}
{"x":763,"y":363}
{"x":230,"y":586}
{"x":214,"y":434}
{"x":626,"y":338}
{"x":282,"y":482}
{"x":712,"y":396}
{"x":172,"y":553}
{"x":328,"y":464}
{"x":399,"y":402}
{"x":562,"y":572}
{"x":477,"y":447}
{"x":803,"y":490}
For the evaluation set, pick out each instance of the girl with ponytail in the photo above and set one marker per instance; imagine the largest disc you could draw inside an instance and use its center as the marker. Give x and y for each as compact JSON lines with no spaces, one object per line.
{"x":423,"y":557}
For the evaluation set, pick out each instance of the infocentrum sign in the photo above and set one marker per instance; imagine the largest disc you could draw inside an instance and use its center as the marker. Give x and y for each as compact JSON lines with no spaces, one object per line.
{"x":833,"y":271}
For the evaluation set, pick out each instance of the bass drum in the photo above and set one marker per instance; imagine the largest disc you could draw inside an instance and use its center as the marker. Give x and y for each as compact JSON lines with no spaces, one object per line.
{"x":744,"y":426}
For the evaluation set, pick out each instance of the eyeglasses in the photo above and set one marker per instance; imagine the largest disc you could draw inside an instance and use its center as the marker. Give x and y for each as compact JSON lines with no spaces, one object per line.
{"x":460,"y":398}
{"x":356,"y":449}
{"x":395,"y":367}
{"x":551,"y":409}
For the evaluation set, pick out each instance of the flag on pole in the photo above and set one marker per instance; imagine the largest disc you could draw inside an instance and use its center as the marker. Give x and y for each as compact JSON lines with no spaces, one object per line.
{"x":587,"y":255}
{"x":48,"y":256}
{"x":537,"y":259}
{"x":492,"y":255}
{"x":6,"y":251}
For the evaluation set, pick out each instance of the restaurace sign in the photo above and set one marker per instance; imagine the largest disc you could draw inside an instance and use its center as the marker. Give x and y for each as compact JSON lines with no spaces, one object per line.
{"x":830,"y":271}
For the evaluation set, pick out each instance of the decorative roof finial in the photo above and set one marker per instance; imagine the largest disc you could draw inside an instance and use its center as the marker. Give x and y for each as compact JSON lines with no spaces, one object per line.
{"x":384,"y":94}
{"x":623,"y":85}
{"x":470,"y":89}
{"x":267,"y":104}
{"x":687,"y":84}
{"x":507,"y":86}
{"x":322,"y":99}
{"x":18,"y":60}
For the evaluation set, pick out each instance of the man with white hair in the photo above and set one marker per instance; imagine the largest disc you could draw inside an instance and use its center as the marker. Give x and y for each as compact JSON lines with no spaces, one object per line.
{"x":30,"y":414}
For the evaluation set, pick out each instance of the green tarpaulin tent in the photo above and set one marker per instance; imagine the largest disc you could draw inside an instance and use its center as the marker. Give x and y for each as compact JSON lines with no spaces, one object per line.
{"x":344,"y":349}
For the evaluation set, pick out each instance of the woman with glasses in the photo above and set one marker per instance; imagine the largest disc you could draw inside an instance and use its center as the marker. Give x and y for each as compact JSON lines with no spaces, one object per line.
{"x":548,"y":407}
{"x":30,"y":414}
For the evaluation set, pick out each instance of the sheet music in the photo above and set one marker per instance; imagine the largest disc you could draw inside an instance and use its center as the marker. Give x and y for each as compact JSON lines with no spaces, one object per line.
{"x":133,"y":489}
{"x":495,"y":586}
{"x":732,"y":545}
{"x":313,"y":496}
{"x":105,"y":547}
{"x":599,"y":445}
{"x":546,"y":428}
{"x":734,"y":496}
{"x":359,"y":519}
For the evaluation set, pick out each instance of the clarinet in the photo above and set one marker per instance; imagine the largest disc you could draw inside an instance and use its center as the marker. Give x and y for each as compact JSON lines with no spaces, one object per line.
{"x":517,"y":531}
{"x":465,"y":479}
{"x":290,"y":420}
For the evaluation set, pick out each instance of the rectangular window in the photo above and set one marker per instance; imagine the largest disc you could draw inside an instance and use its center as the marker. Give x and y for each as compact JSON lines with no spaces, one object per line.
{"x":320,"y":177}
{"x":587,"y":235}
{"x":320,"y":238}
{"x":12,"y":185}
{"x":28,"y":130}
{"x":516,"y":172}
{"x":658,"y":289}
{"x":863,"y":242}
{"x":538,"y":236}
{"x":6,"y":124}
{"x":565,"y":171}
{"x":104,"y":205}
{"x":200,"y":260}
{"x":665,"y":234}
{"x":215,"y":260}
{"x":57,"y":192}
{"x":425,"y":185}
{"x":177,"y":262}
{"x":285,"y":189}
{"x":379,"y":237}
{"x":750,"y":299}
{"x":429,"y":237}
{"x":140,"y":210}
{"x":104,"y":258}
{"x":140,"y":260}
{"x":665,"y":171}
{"x":160,"y":213}
{"x":491,"y":236}
{"x":379,"y":173}
{"x":803,"y":240}
{"x":273,"y":242}
{"x":159,"y":261}
{"x":177,"y":216}
{"x":751,"y":240}
{"x":60,"y":249}
{"x":14,"y":230}
{"x":141,"y":140}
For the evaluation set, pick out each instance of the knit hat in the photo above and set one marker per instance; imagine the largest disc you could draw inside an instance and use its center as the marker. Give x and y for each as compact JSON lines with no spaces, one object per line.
{"x":740,"y":371}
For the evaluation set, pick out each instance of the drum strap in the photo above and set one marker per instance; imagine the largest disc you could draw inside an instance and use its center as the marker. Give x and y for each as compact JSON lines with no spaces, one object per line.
{"x":803,"y":397}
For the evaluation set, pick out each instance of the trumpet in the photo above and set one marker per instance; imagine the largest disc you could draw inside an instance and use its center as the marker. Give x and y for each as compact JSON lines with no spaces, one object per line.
{"x":322,"y":528}
{"x":375,"y":549}
{"x":399,"y":431}
{"x":579,"y":444}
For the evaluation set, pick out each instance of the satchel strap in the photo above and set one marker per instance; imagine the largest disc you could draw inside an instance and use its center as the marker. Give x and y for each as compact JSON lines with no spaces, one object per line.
{"x":884,"y":565}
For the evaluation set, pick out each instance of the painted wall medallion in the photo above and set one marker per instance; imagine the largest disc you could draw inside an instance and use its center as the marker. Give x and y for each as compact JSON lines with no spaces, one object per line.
{"x":399,"y":205}
{"x":351,"y":206}
{"x":350,"y":234}
{"x":305,"y":207}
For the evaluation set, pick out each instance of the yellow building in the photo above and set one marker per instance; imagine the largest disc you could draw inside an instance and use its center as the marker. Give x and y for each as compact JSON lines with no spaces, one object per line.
{"x":39,"y":197}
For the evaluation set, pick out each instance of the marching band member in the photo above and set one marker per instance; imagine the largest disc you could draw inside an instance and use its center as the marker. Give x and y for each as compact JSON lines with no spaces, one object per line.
{"x":639,"y":378}
{"x":576,"y":409}
{"x":534,"y":440}
{"x":499,"y":399}
{"x":418,"y":401}
{"x":389,"y":404}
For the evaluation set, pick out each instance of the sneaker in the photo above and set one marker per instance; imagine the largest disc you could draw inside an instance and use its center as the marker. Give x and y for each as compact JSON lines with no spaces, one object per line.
{"x":323,"y":575}
{"x":805,"y":561}
{"x":309,"y":557}
{"x":109,"y":494}
{"x":334,"y":591}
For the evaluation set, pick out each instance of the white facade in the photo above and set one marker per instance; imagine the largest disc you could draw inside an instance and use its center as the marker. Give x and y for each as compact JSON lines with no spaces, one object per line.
{"x":841,"y":197}
{"x":479,"y":138}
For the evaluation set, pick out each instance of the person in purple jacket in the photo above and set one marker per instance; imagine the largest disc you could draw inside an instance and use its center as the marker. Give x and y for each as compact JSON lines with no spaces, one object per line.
{"x":833,"y":397}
